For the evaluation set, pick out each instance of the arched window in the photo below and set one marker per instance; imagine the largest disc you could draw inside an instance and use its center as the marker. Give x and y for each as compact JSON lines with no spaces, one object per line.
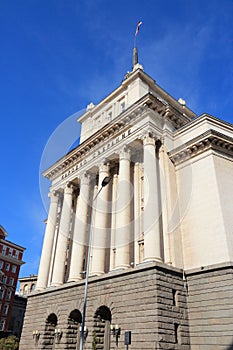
{"x":32,"y":287}
{"x":25,"y":289}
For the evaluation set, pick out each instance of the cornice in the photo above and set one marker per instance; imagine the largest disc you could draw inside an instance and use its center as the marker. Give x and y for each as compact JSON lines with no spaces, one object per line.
{"x":211,"y":139}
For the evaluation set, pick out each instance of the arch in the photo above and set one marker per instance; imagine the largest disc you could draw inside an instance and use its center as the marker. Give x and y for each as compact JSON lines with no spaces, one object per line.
{"x":32,"y":287}
{"x":75,"y":316}
{"x":52,"y":320}
{"x":49,"y":332}
{"x":104,"y":313}
{"x":101,"y":329}
{"x":25,"y":289}
{"x":72,"y":332}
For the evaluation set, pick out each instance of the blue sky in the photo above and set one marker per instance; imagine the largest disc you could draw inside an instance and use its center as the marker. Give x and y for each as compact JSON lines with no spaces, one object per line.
{"x":57,"y":56}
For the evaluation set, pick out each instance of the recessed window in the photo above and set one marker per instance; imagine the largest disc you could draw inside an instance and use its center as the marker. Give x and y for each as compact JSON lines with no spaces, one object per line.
{"x":8,"y":295}
{"x":13,"y":268}
{"x":174,"y":297}
{"x":11,"y":282}
{"x":4,"y":279}
{"x":1,"y":293}
{"x":177,"y":333}
{"x":7,"y":266}
{"x":1,"y":265}
{"x":10,"y":252}
{"x":5,"y":309}
{"x":4,"y":249}
{"x":122,"y":106}
{"x":2,"y":325}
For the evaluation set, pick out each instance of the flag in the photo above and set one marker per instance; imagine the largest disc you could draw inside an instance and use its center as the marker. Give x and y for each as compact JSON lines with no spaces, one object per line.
{"x":138,"y":27}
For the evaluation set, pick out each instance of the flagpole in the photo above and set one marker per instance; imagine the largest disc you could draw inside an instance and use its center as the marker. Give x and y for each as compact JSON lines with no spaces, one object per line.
{"x":135,"y":51}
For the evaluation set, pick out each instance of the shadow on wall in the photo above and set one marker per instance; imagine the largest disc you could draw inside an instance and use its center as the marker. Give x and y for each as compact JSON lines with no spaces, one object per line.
{"x":230,"y":347}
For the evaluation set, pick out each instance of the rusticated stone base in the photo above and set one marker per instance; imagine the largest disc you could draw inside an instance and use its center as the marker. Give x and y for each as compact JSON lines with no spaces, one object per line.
{"x":149,"y":300}
{"x":210,"y":301}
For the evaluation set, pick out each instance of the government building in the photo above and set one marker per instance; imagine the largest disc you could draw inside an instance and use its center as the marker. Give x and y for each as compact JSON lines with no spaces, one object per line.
{"x":159,"y":233}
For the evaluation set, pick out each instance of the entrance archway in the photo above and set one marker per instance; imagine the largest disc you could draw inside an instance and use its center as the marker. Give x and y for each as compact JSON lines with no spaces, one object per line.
{"x":101,"y":329}
{"x":72,"y":333}
{"x":48,"y":339}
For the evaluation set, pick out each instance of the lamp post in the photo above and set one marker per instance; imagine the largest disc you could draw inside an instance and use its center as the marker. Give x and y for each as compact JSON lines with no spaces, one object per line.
{"x":104,"y":183}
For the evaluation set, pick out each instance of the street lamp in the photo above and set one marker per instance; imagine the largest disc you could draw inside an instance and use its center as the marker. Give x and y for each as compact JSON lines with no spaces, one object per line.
{"x":104,"y":183}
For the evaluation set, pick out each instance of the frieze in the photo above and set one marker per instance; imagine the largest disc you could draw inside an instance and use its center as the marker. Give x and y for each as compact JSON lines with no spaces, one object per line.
{"x":96,"y":154}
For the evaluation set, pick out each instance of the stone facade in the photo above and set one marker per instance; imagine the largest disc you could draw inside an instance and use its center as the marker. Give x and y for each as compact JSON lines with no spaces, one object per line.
{"x":149,"y":301}
{"x":210,"y":300}
{"x":166,"y":211}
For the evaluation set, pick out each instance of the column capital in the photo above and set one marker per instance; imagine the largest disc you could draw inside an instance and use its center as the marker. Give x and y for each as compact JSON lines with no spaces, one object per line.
{"x":68,"y":188}
{"x":124,"y":153}
{"x":85,"y":178}
{"x":104,"y":167}
{"x":54,"y":196}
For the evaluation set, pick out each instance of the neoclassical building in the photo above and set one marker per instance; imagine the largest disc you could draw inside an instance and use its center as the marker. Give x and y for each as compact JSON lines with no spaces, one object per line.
{"x":161,"y":247}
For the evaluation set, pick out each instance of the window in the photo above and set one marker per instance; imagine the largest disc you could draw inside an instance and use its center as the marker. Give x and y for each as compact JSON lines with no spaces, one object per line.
{"x":8,"y":295}
{"x":10,"y":252}
{"x":5,"y":309}
{"x":174,"y":297}
{"x":2,"y":325}
{"x":122,"y":106}
{"x":25,"y":289}
{"x":4,"y":279}
{"x":7,"y":266}
{"x":16,"y":254}
{"x":13,"y":268}
{"x":4,"y":249}
{"x":1,"y":293}
{"x":11,"y":282}
{"x":33,"y":287}
{"x":177,"y":333}
{"x":1,"y":265}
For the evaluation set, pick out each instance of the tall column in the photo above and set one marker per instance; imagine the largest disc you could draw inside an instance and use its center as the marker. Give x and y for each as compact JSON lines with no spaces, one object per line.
{"x":63,"y":233}
{"x":45,"y":261}
{"x":152,"y":238}
{"x":123,"y":225}
{"x":80,"y":229}
{"x":137,"y":211}
{"x":165,"y":204}
{"x":101,"y":229}
{"x":113,"y":222}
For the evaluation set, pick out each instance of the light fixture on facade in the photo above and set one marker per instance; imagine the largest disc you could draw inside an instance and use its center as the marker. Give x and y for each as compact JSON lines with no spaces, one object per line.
{"x":36,"y":335}
{"x":58,"y":334}
{"x":116,"y":332}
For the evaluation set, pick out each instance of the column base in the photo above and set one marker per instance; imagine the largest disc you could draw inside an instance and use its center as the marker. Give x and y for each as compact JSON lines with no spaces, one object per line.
{"x":74,"y":279}
{"x":152,"y":259}
{"x":121,"y":267}
{"x":95,"y":274}
{"x":56,"y":284}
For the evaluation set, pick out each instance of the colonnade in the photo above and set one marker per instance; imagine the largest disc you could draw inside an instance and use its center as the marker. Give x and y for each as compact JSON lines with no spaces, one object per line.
{"x":116,"y":218}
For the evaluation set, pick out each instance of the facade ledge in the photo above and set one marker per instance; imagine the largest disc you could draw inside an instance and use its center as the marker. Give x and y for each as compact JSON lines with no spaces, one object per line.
{"x":210,"y":139}
{"x":112,"y":274}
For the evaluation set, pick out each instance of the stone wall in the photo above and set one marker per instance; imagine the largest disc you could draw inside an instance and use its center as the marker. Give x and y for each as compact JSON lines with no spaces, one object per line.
{"x":210,"y":300}
{"x":149,"y":300}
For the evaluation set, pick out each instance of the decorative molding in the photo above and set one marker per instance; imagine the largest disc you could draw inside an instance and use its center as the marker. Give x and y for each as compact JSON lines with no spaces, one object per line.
{"x":120,"y":124}
{"x":209,"y":140}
